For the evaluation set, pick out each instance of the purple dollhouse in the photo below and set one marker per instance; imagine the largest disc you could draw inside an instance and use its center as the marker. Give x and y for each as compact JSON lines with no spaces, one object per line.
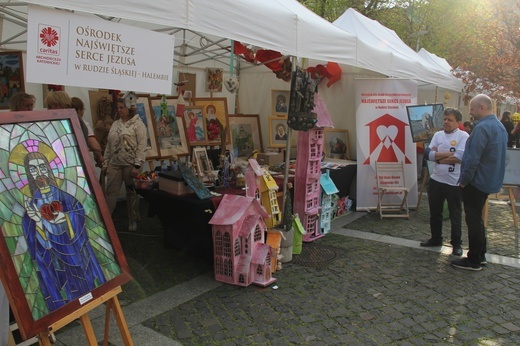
{"x":241,"y":256}
{"x":307,"y":188}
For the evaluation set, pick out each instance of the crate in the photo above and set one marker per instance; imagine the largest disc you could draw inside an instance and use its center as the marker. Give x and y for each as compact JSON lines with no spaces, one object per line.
{"x":173,"y":182}
{"x":269,"y":159}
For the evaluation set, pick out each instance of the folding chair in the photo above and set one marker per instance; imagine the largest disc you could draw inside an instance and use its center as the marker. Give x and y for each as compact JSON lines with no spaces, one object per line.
{"x":391,"y":190}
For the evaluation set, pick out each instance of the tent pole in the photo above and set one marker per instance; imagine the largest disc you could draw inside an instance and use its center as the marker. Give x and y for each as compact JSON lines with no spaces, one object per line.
{"x":287,"y":151}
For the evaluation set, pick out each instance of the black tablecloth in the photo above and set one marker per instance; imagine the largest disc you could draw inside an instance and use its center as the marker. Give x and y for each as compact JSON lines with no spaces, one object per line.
{"x":184,"y":219}
{"x":344,"y":179}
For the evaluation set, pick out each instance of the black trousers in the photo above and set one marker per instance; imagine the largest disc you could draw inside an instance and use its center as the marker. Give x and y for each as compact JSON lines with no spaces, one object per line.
{"x":438,"y":193}
{"x":474,"y":201}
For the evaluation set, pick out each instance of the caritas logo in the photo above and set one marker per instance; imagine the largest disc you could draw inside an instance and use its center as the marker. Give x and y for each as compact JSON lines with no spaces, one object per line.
{"x":49,"y":39}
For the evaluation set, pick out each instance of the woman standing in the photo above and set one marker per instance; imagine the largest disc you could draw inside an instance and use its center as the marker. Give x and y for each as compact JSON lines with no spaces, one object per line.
{"x":508,"y":124}
{"x":124,"y":156}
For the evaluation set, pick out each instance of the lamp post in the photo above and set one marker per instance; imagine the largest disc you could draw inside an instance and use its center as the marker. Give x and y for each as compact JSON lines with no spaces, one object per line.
{"x":418,"y":34}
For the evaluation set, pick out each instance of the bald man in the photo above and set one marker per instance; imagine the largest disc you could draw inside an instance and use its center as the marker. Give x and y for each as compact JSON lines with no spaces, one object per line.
{"x":482,"y":173}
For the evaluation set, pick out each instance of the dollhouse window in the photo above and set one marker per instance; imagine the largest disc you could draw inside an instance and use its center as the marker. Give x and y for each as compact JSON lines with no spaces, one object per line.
{"x":314,"y":167}
{"x":310,"y":188}
{"x":318,"y":134}
{"x":241,"y":279}
{"x":313,"y":150}
{"x":246,"y":246}
{"x":311,"y":223}
{"x":228,"y":268}
{"x":218,"y":265}
{"x":309,"y":204}
{"x":257,"y":194}
{"x":218,"y":243}
{"x":237,"y":247}
{"x":226,"y":243}
{"x":268,"y":260}
{"x":258,"y":233}
{"x":259,"y":270}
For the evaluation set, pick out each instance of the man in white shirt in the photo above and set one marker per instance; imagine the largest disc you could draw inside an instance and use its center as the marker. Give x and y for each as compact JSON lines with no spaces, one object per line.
{"x":446,"y":150}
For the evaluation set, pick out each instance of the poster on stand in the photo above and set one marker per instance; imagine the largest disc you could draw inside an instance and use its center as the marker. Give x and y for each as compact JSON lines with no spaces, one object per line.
{"x":383,"y":135}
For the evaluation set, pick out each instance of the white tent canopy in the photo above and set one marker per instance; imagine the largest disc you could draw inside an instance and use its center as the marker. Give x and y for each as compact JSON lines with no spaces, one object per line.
{"x":284,"y":26}
{"x":435,"y":60}
{"x":380,"y":49}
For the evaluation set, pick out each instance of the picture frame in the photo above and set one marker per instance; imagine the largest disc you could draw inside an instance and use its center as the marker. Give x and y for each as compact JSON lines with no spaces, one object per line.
{"x":43,"y":146}
{"x":201,"y":161}
{"x":170,"y":131}
{"x":214,"y":109}
{"x":189,"y":85}
{"x":214,"y":79}
{"x":336,"y":143}
{"x":194,"y":125}
{"x":425,"y":120}
{"x":280,"y":102}
{"x":12,"y":79}
{"x":246,"y":134}
{"x":278,"y":129}
{"x":147,"y":117}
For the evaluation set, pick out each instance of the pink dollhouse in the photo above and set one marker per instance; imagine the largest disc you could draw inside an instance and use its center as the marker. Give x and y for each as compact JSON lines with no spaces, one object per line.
{"x":261,"y":185}
{"x":307,"y":188}
{"x":241,"y":256}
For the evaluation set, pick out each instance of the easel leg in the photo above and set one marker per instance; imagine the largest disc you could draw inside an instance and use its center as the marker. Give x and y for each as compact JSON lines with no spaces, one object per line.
{"x":89,"y":331}
{"x":485,"y":213}
{"x":113,"y":304}
{"x":513,"y":205}
{"x":423,"y":185}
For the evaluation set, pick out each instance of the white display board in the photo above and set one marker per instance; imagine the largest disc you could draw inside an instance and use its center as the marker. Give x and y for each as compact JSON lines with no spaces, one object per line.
{"x":512,"y":176}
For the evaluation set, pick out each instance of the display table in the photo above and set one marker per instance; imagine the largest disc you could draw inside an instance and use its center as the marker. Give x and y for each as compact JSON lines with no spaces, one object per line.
{"x":185,"y":218}
{"x":344,"y":177}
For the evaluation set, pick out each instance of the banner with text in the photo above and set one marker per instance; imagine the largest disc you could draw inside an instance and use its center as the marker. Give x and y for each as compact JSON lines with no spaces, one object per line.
{"x":383,"y":135}
{"x":70,"y":49}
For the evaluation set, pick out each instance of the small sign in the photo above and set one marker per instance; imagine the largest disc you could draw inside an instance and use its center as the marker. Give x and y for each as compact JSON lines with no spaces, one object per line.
{"x":86,"y":298}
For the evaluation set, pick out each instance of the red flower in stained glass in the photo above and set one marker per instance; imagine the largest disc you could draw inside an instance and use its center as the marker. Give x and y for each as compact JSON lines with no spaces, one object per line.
{"x":49,"y":37}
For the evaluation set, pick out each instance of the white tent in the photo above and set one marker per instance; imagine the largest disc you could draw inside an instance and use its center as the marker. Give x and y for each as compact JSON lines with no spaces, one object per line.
{"x":380,"y":49}
{"x":435,"y":60}
{"x":284,"y":26}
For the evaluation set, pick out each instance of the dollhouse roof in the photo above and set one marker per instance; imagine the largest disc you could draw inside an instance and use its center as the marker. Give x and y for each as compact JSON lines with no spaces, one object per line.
{"x":261,"y":252}
{"x":269,"y":181}
{"x":233,"y":207}
{"x":249,"y":225}
{"x":322,"y":112}
{"x":255,"y":167}
{"x":327,"y":184}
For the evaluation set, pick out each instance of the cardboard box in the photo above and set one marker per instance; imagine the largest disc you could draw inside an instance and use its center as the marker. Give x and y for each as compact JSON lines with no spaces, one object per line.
{"x":173,"y":182}
{"x":269,"y":159}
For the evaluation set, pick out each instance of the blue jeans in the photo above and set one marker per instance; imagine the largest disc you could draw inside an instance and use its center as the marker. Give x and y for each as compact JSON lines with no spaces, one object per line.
{"x":474,"y":201}
{"x":438,"y":193}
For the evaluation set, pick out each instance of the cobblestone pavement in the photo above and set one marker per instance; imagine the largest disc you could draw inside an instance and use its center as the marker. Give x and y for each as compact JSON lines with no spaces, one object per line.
{"x":369,"y":293}
{"x":344,"y":289}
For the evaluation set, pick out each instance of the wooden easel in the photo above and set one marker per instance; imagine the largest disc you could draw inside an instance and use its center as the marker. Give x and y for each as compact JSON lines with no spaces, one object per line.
{"x":510,"y":190}
{"x":112,"y":303}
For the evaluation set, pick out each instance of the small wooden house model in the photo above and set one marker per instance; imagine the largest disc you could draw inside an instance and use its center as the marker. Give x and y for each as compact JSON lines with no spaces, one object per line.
{"x":262,"y":186}
{"x":328,"y":188}
{"x":241,"y":256}
{"x":274,"y":240}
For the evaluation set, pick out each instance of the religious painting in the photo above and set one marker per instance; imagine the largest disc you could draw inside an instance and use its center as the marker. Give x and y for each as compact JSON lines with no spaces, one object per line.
{"x":201,"y":162}
{"x":194,"y":120}
{"x":11,"y":76}
{"x":280,"y":102}
{"x":278,"y":132}
{"x":145,"y":114}
{"x":58,"y":246}
{"x":169,"y":128}
{"x":246,"y":135}
{"x":425,"y":120}
{"x":215,"y":114}
{"x":214,"y":78}
{"x":336,"y":144}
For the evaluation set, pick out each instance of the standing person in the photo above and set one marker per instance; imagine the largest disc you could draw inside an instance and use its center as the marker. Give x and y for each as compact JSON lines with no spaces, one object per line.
{"x":92,"y":142}
{"x":468,"y":126}
{"x":22,"y":101}
{"x":446,"y":149}
{"x":62,"y":100}
{"x":482,"y":173}
{"x":509,"y":126}
{"x":124,"y":156}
